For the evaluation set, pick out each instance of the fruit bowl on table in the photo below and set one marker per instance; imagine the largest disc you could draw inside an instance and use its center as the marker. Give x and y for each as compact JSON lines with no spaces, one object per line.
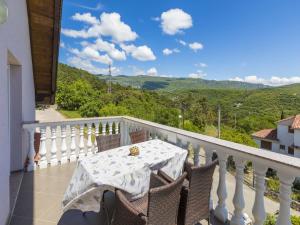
{"x":134,"y":151}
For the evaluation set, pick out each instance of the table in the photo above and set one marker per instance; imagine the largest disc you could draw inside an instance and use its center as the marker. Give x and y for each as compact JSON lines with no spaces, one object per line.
{"x":116,"y":169}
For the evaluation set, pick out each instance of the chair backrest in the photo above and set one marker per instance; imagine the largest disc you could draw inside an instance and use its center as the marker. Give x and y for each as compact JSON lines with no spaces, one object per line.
{"x":106,"y":142}
{"x":200,"y":183}
{"x":163,"y":203}
{"x":138,"y":136}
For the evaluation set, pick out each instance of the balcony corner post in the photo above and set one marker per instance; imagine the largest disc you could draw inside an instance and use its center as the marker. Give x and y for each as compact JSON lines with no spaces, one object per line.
{"x":31,"y":152}
{"x":258,"y":210}
{"x":221,"y":211}
{"x":286,"y":182}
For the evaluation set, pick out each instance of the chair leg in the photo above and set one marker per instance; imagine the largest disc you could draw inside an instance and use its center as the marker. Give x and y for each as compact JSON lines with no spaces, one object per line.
{"x":208,"y":220}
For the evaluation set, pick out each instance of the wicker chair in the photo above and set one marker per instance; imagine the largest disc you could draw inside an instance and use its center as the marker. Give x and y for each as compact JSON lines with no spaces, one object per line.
{"x":138,"y":136}
{"x":195,"y":193}
{"x":106,"y":142}
{"x":158,"y":207}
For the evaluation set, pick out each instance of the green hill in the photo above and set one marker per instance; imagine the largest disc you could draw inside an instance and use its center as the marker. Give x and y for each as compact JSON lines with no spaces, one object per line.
{"x":85,"y":95}
{"x":175,"y":84}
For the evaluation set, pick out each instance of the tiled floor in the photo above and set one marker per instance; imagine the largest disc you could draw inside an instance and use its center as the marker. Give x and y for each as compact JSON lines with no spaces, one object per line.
{"x":40,"y":196}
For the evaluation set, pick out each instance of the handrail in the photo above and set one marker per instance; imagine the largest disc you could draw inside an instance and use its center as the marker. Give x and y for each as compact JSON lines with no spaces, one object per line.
{"x":268,"y":158}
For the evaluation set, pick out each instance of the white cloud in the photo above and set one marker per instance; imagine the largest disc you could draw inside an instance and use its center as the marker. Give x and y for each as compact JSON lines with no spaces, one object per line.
{"x":75,"y":33}
{"x":202,"y":65}
{"x":136,"y":71}
{"x":167,"y":51}
{"x":91,"y":54}
{"x":182,"y":42}
{"x":85,"y":17}
{"x":110,"y":24}
{"x":141,"y":53}
{"x":98,"y":7}
{"x":109,"y":48}
{"x":197,"y":75}
{"x":152,"y":72}
{"x":87,"y":65}
{"x":175,"y":20}
{"x":196,"y":46}
{"x":273,"y":81}
{"x":62,"y":44}
{"x":155,"y":18}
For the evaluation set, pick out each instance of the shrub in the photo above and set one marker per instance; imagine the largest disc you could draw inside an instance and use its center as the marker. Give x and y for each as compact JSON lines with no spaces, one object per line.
{"x":89,"y":109}
{"x":271,"y":220}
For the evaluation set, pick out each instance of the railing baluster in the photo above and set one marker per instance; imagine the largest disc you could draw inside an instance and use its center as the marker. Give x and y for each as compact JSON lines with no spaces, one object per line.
{"x":221,"y":211}
{"x":197,"y":155}
{"x":286,"y":182}
{"x":81,"y":142}
{"x":117,"y":127}
{"x":208,"y":160}
{"x":73,"y":156}
{"x":110,"y":128}
{"x":43,"y":150}
{"x":258,"y":210}
{"x":31,"y":152}
{"x":208,"y":156}
{"x":63,"y":158}
{"x":89,"y":141}
{"x":238,"y":199}
{"x":96,"y":135}
{"x":53,"y":160}
{"x":104,"y":128}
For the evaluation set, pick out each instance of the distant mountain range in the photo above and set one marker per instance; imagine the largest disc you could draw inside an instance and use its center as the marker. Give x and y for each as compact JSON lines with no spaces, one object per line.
{"x":175,"y":84}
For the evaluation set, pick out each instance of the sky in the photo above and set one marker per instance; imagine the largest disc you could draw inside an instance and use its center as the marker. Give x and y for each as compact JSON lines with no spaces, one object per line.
{"x":256,"y":41}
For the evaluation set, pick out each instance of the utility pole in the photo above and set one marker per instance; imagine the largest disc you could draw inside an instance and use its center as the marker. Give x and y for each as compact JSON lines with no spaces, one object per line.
{"x":219,"y":121}
{"x":235,"y":120}
{"x":109,"y":81}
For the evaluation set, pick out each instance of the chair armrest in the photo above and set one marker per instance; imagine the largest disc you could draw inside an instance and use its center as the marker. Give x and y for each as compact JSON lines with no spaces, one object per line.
{"x":165,"y":176}
{"x":125,"y":209}
{"x":156,"y":181}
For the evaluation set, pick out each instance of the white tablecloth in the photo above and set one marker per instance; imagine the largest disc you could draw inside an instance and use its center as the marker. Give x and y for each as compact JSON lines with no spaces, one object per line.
{"x":116,"y":169}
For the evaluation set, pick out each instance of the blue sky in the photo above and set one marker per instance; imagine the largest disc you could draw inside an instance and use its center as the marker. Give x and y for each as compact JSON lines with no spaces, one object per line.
{"x":256,"y":41}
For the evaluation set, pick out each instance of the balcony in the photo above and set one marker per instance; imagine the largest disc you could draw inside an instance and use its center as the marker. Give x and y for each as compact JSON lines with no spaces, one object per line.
{"x":64,"y":142}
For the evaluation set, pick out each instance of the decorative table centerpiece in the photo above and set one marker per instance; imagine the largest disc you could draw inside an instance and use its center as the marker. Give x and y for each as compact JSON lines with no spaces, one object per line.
{"x":134,"y":151}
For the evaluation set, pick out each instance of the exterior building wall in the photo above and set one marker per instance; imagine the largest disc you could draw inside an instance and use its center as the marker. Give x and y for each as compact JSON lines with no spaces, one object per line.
{"x":285,"y":138}
{"x":297,"y":137}
{"x":275,"y":147}
{"x":297,"y":153}
{"x":14,"y":41}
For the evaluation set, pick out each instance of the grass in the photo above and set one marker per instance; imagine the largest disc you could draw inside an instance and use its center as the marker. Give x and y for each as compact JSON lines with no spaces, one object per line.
{"x":70,"y":114}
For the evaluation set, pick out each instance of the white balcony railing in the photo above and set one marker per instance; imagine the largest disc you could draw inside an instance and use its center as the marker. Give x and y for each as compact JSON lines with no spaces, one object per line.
{"x":76,"y":139}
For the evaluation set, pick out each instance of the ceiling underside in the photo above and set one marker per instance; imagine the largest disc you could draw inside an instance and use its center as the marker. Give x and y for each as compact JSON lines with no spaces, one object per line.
{"x":44,"y":23}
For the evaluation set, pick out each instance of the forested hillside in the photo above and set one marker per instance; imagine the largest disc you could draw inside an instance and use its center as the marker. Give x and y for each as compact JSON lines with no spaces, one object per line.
{"x":175,"y":84}
{"x":82,"y":94}
{"x":243,"y":110}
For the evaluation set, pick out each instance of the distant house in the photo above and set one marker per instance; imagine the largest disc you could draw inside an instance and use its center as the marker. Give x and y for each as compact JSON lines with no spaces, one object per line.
{"x":285,"y":139}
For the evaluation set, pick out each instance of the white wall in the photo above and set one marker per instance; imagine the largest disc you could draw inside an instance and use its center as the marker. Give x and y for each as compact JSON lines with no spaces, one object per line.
{"x":297,"y":137}
{"x":285,"y":138}
{"x":14,"y":37}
